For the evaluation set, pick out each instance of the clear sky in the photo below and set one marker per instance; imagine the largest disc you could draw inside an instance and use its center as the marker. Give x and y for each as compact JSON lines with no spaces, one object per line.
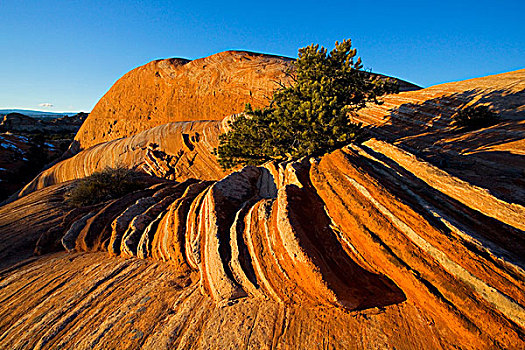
{"x":69,"y":53}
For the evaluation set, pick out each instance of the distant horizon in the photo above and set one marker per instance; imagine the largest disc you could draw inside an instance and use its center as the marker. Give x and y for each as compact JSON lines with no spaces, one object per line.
{"x":82,"y":48}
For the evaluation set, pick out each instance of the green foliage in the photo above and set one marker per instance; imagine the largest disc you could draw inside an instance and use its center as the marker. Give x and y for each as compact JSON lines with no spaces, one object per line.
{"x":312,"y":116}
{"x":104,"y":185}
{"x":475,"y":117}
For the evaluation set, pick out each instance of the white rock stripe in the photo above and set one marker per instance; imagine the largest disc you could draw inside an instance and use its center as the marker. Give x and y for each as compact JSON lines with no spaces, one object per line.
{"x":472,"y":196}
{"x":501,"y":302}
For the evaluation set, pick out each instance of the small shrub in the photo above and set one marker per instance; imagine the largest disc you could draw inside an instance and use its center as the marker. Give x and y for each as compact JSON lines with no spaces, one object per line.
{"x":475,"y":117}
{"x":104,"y":185}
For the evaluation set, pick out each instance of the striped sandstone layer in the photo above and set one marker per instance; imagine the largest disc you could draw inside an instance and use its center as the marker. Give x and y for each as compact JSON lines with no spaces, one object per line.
{"x":373,"y":246}
{"x":353,"y":235}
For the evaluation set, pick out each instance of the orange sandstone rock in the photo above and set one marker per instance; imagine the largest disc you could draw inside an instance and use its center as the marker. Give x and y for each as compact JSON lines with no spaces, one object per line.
{"x":176,"y":151}
{"x":370,"y":246}
{"x":491,"y":158}
{"x":353,"y":241}
{"x":174,"y":90}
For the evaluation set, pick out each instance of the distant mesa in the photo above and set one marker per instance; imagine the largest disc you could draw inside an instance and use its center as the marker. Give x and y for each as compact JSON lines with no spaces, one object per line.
{"x":21,"y":123}
{"x":27,"y":144}
{"x":37,"y":114}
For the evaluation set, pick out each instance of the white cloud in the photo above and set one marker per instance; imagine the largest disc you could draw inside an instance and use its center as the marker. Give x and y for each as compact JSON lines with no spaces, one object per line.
{"x":46,"y":105}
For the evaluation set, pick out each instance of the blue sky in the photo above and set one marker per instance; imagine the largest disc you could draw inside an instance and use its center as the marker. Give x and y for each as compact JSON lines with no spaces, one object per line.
{"x":69,"y":53}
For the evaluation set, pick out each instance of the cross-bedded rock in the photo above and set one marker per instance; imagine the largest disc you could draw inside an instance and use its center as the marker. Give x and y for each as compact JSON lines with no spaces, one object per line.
{"x":378,"y":245}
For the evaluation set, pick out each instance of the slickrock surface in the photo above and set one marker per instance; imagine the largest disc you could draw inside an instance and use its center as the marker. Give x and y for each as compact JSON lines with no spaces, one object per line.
{"x":371,"y":246}
{"x":173,"y":90}
{"x":91,"y":301}
{"x":492,"y":158}
{"x":37,"y":222}
{"x":175,"y":151}
{"x":353,"y":250}
{"x":23,"y":221}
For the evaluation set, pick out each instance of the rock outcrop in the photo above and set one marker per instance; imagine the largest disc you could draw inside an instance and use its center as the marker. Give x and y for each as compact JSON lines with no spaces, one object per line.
{"x":174,"y":90}
{"x":380,"y":245}
{"x":419,"y":121}
{"x":174,"y":151}
{"x":353,"y":236}
{"x":492,"y":157}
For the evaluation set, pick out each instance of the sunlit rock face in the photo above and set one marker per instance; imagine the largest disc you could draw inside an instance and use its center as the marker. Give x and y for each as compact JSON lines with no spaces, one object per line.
{"x":379,"y":245}
{"x":174,"y":90}
{"x":174,"y":151}
{"x":492,"y":158}
{"x":350,"y":242}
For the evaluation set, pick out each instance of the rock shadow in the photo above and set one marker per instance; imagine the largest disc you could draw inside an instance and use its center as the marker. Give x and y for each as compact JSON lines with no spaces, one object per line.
{"x":426,"y":130}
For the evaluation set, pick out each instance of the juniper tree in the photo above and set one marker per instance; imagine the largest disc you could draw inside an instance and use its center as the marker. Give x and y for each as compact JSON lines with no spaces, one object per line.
{"x":309,"y":117}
